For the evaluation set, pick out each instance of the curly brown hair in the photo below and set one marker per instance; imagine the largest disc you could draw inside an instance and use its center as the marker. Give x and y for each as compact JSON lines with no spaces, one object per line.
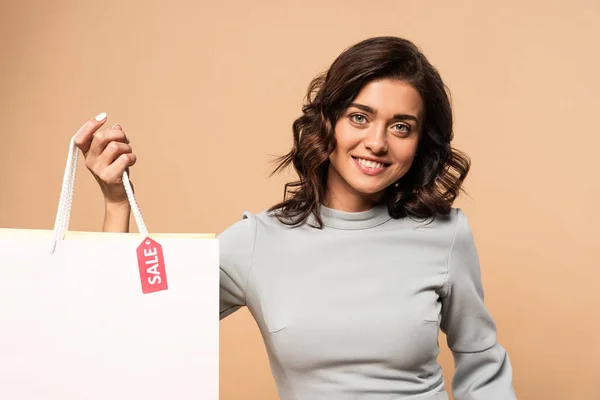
{"x":435,"y":178}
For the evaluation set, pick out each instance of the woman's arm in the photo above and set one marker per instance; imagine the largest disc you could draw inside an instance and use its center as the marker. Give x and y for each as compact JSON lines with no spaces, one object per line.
{"x":107,"y":155}
{"x":236,"y":253}
{"x":482,"y":367}
{"x":116,"y":217}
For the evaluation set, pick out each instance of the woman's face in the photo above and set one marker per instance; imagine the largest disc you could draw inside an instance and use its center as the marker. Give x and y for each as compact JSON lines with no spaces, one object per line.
{"x":377,"y":139}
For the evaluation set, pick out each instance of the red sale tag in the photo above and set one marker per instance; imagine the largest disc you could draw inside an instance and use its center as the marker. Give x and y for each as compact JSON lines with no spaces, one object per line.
{"x":152,"y":266}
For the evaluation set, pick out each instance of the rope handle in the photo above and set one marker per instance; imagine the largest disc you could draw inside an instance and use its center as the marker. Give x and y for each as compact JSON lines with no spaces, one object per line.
{"x":63,"y":215}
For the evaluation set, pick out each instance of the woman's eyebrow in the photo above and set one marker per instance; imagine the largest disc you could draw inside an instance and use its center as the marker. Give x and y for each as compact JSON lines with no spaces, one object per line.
{"x":373,"y":111}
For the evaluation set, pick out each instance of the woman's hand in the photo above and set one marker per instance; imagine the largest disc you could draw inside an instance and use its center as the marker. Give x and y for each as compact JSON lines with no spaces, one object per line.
{"x":107,"y":155}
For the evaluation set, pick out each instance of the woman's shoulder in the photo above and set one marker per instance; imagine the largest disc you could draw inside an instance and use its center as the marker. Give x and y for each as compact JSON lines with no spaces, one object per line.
{"x":249,"y":222}
{"x":453,"y":226}
{"x":266,"y":220}
{"x":440,"y":228}
{"x":449,"y":220}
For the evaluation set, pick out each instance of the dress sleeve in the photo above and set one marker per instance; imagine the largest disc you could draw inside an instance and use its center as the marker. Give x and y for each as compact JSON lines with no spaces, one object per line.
{"x":236,"y":247}
{"x":482,"y":367}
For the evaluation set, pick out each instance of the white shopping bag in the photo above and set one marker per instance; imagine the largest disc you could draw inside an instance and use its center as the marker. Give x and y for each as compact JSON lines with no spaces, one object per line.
{"x":105,"y":315}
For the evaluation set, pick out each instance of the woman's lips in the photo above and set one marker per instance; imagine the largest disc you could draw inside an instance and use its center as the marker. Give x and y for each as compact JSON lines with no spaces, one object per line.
{"x":369,"y":170}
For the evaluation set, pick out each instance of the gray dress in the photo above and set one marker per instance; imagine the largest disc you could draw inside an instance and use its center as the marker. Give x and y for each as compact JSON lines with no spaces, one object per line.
{"x":353,"y":311}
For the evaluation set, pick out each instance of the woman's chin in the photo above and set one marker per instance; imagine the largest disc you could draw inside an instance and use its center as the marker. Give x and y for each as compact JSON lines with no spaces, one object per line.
{"x":374,"y":191}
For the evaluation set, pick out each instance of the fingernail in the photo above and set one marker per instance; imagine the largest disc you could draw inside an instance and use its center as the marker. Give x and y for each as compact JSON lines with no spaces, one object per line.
{"x":116,"y":126}
{"x":100,"y":117}
{"x":126,"y":138}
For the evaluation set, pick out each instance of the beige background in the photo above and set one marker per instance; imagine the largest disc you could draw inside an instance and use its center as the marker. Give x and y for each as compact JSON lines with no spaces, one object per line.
{"x":207,"y":91}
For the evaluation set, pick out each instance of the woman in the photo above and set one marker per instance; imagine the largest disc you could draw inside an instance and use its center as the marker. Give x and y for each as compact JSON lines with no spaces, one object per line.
{"x":351,"y":276}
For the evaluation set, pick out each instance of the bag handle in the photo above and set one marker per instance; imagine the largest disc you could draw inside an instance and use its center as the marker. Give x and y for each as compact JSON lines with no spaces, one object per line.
{"x":63,"y":215}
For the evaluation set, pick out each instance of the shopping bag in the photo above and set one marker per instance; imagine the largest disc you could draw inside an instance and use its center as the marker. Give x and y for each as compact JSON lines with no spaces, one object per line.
{"x":91,"y":316}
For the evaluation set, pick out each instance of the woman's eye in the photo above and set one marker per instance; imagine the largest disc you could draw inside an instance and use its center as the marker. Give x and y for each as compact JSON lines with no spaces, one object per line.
{"x":402,"y":128}
{"x":358,"y":118}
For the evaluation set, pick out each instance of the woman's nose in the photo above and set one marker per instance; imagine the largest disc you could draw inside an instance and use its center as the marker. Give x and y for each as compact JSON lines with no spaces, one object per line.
{"x":376,"y":140}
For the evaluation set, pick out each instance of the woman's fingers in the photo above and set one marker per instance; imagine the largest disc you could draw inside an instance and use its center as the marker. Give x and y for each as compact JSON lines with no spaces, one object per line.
{"x":107,"y":155}
{"x":109,"y":166}
{"x":113,"y":173}
{"x":117,"y":126}
{"x":101,"y":140}
{"x":84,"y":136}
{"x":112,"y":151}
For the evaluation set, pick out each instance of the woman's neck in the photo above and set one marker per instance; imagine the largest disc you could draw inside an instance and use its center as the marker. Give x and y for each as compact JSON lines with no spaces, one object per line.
{"x":346,"y":203}
{"x":341,"y":196}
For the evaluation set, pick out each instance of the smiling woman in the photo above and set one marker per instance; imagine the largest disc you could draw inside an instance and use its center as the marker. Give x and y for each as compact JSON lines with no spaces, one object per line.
{"x":347,"y":286}
{"x":376,"y":143}
{"x":381,"y":101}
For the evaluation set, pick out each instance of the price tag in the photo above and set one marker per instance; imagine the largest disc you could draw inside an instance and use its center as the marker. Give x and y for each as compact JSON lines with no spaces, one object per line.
{"x":152,"y":266}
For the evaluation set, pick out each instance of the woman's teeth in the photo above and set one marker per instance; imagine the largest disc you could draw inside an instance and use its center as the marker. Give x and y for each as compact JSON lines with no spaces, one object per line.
{"x":370,"y":164}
